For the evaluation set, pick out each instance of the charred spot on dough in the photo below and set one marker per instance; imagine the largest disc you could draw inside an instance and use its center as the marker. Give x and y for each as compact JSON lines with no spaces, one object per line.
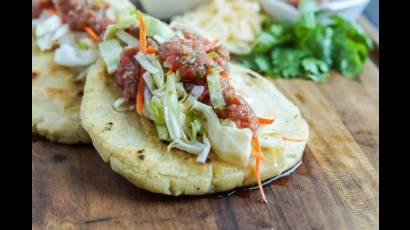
{"x":251,"y":74}
{"x":54,"y":91}
{"x":300,"y":97}
{"x":197,"y":188}
{"x":108,"y":126}
{"x":140,"y":154}
{"x":141,"y":151}
{"x":80,"y":93}
{"x":57,"y":68}
{"x":34,"y":75}
{"x":208,"y":161}
{"x":53,"y":69}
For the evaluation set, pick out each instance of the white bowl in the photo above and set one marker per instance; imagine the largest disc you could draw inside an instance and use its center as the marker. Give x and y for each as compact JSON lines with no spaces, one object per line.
{"x":281,"y":11}
{"x":165,"y":9}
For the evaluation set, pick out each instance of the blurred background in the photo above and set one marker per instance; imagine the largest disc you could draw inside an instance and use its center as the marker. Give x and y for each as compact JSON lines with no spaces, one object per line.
{"x":237,"y":24}
{"x":372,"y":12}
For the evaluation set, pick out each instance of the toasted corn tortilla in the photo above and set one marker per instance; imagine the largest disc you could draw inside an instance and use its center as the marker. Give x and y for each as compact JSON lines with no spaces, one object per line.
{"x":56,"y":100}
{"x":131,"y":145}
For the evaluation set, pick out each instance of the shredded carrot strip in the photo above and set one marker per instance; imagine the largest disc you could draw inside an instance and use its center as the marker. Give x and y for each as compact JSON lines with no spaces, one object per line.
{"x":265,"y":121}
{"x":151,"y":50}
{"x":256,"y":148}
{"x":168,"y":72}
{"x":225,"y":74}
{"x":140,"y":94}
{"x":143,"y":49}
{"x":219,"y":60}
{"x":143,"y":35}
{"x":235,"y":100}
{"x":258,"y":178}
{"x":92,"y":34}
{"x":257,"y":153}
{"x":292,"y":139}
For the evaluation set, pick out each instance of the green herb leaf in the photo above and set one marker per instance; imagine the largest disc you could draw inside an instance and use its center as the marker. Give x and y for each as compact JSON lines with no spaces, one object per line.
{"x":213,"y":54}
{"x":287,"y":62}
{"x":263,"y":63}
{"x":315,"y":69}
{"x":264,"y":42}
{"x":308,"y":49}
{"x":308,"y":8}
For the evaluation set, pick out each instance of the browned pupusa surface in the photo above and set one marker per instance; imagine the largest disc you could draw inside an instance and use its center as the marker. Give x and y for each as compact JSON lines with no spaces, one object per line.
{"x":131,"y":146}
{"x":56,"y":100}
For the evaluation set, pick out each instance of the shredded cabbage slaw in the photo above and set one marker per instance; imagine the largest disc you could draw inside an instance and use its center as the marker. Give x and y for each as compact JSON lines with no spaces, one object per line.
{"x":79,"y":49}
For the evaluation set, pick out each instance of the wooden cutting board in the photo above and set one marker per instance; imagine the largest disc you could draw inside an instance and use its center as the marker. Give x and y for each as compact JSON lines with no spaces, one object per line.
{"x":336,"y":187}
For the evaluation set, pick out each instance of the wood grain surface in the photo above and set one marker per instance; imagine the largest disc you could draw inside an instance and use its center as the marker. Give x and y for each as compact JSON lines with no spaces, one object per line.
{"x":335,"y":188}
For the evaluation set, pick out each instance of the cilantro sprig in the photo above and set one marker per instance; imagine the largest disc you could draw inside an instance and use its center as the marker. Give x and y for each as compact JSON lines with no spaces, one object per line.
{"x":309,"y":49}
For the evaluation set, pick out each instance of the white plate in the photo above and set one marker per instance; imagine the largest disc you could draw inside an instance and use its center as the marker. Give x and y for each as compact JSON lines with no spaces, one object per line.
{"x":165,"y":9}
{"x":281,"y":11}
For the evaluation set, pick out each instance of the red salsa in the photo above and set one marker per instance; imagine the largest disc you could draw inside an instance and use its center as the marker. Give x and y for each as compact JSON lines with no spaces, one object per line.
{"x":236,"y":108}
{"x":193,"y":57}
{"x":81,"y":15}
{"x":78,"y":14}
{"x":127,"y":74}
{"x":37,"y":6}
